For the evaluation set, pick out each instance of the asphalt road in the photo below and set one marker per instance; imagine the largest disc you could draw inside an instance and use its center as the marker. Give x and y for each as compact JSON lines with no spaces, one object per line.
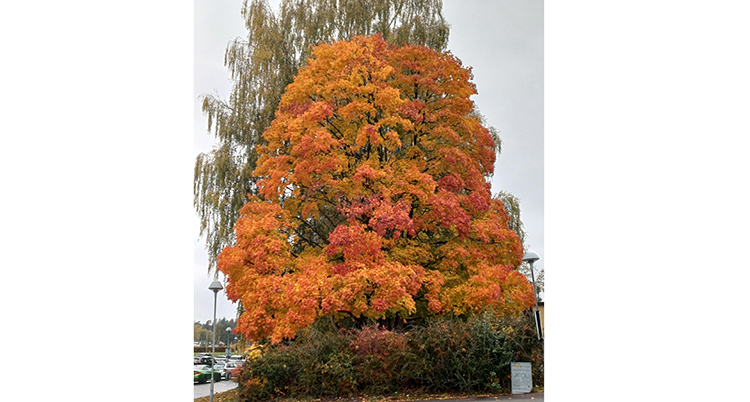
{"x":205,"y":389}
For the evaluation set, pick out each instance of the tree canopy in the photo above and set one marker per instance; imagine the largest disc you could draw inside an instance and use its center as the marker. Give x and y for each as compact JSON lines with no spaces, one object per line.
{"x":373,"y":198}
{"x":262,"y":65}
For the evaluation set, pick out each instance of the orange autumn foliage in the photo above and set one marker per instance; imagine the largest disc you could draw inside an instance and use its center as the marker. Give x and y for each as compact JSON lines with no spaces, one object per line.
{"x":374,"y":198}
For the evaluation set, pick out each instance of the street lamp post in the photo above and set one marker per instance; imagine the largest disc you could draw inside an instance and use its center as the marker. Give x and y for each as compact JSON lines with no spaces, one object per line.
{"x":530,"y":258}
{"x":215,"y":286}
{"x":229,"y":333}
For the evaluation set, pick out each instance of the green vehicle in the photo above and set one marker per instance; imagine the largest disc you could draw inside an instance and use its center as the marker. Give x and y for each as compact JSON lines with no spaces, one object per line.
{"x":202,"y":374}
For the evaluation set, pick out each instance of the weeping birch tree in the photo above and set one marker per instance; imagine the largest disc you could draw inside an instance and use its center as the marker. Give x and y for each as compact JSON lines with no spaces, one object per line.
{"x":512,"y":206}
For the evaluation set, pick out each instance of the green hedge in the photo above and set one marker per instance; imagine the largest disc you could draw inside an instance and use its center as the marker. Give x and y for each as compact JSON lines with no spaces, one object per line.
{"x":218,"y":349}
{"x":446,"y":355}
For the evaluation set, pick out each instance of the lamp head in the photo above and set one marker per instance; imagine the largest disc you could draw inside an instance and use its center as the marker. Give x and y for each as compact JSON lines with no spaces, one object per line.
{"x":215,"y":286}
{"x":530,"y":257}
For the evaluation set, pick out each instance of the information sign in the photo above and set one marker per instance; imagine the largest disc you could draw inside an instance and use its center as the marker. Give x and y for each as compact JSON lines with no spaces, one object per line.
{"x":520,"y":377}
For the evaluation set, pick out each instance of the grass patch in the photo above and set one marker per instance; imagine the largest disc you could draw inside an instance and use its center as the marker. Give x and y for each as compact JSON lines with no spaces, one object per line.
{"x":226,"y":396}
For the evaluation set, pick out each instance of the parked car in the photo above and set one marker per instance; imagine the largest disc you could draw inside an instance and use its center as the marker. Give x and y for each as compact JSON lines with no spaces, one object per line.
{"x":207,"y":360}
{"x":202,"y":374}
{"x":220,"y":367}
{"x":230,"y":370}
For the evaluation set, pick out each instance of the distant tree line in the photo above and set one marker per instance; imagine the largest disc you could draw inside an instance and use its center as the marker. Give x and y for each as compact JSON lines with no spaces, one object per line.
{"x":202,"y":332}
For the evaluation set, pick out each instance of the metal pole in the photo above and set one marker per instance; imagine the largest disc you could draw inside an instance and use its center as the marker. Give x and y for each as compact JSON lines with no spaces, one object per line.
{"x":228,"y":335}
{"x":536,"y":306}
{"x":213,"y":349}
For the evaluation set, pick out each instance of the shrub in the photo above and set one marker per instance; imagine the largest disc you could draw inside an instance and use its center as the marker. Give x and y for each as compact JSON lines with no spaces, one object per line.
{"x":326,"y":367}
{"x":381,"y":357}
{"x":269,"y":375}
{"x":443,"y":355}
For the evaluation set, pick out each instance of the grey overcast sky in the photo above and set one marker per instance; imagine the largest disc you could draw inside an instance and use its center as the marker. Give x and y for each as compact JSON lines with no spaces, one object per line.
{"x":502,"y":41}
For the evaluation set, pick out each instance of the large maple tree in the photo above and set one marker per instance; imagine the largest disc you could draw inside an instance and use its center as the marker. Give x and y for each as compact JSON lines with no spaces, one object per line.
{"x":373,"y":198}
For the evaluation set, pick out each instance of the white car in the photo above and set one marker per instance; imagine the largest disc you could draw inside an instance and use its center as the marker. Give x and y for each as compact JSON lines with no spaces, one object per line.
{"x":228,"y":368}
{"x":221,"y":369}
